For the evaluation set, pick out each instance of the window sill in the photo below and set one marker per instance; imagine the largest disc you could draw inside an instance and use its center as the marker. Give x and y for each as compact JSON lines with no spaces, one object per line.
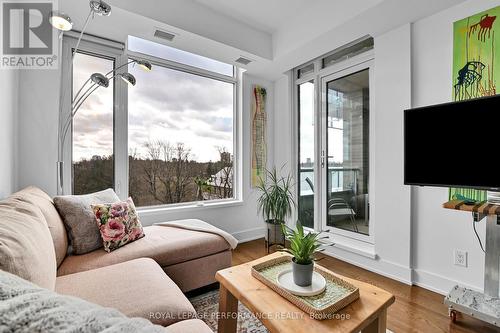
{"x":186,"y":207}
{"x":354,"y":246}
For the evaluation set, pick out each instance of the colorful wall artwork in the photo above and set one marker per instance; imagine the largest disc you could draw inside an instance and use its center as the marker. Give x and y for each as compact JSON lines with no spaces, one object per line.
{"x":476,"y":66}
{"x":259,"y":135}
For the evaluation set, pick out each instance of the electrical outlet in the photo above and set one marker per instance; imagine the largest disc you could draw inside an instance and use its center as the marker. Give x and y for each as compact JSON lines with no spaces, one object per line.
{"x":460,"y":258}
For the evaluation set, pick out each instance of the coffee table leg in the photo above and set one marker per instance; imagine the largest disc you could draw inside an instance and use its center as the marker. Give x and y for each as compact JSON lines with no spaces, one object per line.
{"x":228,"y":311}
{"x":379,"y":325}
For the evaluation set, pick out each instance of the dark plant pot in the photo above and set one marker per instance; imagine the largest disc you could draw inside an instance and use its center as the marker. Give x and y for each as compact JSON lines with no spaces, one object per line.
{"x":302,"y":274}
{"x":275,"y":233}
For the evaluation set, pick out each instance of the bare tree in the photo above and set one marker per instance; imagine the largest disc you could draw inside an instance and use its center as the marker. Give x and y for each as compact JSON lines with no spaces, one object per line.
{"x":181,"y":177}
{"x":152,"y":169}
{"x":167,"y":171}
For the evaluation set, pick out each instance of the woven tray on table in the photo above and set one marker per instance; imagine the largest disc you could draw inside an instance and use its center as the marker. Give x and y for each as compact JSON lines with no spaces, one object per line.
{"x":337,"y":295}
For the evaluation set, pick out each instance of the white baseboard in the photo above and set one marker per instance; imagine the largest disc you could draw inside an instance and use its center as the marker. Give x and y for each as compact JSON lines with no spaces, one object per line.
{"x":382,"y":267}
{"x":250,"y":234}
{"x":437,"y":283}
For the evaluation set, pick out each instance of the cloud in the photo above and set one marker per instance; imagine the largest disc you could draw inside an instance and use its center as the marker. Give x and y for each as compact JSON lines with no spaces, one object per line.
{"x":222,"y":124}
{"x":164,"y":105}
{"x":177,"y":91}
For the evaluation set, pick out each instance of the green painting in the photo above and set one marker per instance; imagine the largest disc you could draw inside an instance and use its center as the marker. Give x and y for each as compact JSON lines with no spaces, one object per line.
{"x":476,"y":67}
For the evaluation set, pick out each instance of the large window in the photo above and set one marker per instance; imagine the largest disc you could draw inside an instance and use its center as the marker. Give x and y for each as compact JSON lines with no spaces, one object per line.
{"x":93,"y":161}
{"x":180,"y":137}
{"x":170,"y":139}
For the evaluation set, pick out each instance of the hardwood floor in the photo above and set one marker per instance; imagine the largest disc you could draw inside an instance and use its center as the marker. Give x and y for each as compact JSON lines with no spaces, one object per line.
{"x":415,"y":310}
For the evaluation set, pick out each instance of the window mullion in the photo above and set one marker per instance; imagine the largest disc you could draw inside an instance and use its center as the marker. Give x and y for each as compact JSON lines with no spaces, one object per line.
{"x":121,"y":132}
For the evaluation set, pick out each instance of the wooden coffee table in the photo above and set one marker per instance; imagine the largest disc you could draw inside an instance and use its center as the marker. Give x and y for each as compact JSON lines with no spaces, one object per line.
{"x":368,"y":314}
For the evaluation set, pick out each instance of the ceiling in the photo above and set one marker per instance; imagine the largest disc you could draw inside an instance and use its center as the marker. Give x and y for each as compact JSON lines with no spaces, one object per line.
{"x":269,"y":18}
{"x":276,"y":34}
{"x":277,"y":16}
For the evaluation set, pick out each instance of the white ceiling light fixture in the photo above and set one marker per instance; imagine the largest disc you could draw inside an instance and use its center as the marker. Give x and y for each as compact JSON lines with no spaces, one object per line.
{"x":60,"y":21}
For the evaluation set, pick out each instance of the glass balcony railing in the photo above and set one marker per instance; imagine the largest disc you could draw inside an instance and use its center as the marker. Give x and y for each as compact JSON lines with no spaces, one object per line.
{"x":347,"y":204}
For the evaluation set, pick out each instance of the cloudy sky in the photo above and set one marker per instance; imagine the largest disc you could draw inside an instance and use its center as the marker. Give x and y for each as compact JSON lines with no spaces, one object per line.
{"x":164,"y":105}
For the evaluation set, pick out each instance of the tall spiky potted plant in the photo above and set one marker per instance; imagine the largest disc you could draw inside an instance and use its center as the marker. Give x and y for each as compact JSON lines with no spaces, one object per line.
{"x":275,"y":203}
{"x":303,"y":247}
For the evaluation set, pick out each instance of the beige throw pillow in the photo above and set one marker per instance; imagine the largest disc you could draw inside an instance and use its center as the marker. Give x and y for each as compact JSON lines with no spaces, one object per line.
{"x":79,"y":218}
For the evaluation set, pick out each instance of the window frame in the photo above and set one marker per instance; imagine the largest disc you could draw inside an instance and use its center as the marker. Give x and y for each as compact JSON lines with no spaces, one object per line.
{"x":236,"y":81}
{"x":107,"y":49}
{"x":121,"y":55}
{"x":310,"y":77}
{"x":363,"y":63}
{"x":343,"y":68}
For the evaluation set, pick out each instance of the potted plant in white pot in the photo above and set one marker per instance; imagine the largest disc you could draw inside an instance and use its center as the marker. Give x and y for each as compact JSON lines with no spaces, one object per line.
{"x":275,"y":203}
{"x":303,"y":246}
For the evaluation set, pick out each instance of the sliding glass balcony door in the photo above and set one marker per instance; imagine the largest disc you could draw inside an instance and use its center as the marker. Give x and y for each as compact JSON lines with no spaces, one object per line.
{"x":334,"y":128}
{"x":345,"y":155}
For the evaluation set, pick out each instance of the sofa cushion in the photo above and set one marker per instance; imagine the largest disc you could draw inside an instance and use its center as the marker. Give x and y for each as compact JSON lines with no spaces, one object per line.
{"x":75,"y":210}
{"x":205,"y":267}
{"x":26,"y":247}
{"x":27,"y":308}
{"x":118,"y":223}
{"x":57,"y":230}
{"x":137,"y":288}
{"x":166,"y":245}
{"x":191,"y":325}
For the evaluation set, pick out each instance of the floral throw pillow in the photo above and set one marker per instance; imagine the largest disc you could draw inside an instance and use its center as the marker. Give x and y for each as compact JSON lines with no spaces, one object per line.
{"x":118,"y":223}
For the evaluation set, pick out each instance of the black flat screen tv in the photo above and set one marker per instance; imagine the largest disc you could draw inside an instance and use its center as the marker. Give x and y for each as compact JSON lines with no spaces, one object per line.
{"x":454,"y":145}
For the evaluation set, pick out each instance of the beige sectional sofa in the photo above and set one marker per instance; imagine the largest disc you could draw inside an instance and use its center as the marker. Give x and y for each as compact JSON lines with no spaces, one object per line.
{"x":145,"y":278}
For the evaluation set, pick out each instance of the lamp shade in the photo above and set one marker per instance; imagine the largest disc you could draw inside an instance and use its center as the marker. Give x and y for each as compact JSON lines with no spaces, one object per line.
{"x":129,"y":78}
{"x":60,"y":21}
{"x":145,"y":65}
{"x":100,"y":80}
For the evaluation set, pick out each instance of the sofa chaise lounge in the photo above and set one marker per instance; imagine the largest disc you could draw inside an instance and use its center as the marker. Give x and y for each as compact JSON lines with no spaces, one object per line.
{"x":145,"y":278}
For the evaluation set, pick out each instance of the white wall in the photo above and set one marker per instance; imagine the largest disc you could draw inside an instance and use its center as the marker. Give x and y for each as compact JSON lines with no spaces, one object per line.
{"x":437,"y":231}
{"x":9,"y":82}
{"x":391,"y":199}
{"x":283,"y":137}
{"x":37,"y":129}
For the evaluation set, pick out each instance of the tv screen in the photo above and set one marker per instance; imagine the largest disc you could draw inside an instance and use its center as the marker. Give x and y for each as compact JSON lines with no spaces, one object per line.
{"x":453,"y":145}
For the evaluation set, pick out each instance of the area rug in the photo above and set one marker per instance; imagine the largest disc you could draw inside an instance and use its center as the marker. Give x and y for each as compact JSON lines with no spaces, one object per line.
{"x":207,"y":307}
